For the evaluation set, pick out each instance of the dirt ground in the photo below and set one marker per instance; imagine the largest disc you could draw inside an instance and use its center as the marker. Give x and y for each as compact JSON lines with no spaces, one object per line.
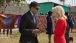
{"x":42,"y":37}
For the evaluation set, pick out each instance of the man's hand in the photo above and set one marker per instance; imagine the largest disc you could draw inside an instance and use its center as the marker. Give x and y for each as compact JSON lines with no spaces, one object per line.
{"x":36,"y":31}
{"x":42,"y":30}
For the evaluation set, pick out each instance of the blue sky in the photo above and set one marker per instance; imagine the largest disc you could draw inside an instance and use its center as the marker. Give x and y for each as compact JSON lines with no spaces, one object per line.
{"x":67,"y":2}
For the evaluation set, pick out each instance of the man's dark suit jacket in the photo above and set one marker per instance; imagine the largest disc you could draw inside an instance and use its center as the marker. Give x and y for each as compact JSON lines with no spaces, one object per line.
{"x":26,"y":28}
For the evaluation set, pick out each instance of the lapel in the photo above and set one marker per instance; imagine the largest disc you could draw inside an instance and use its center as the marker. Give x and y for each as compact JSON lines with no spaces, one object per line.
{"x":31,"y":17}
{"x":29,"y":13}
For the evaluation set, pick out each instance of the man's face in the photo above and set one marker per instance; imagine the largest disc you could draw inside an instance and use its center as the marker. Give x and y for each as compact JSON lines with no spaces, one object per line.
{"x":35,"y":9}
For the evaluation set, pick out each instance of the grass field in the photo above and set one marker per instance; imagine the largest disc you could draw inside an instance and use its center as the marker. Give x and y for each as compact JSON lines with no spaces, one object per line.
{"x":42,"y":38}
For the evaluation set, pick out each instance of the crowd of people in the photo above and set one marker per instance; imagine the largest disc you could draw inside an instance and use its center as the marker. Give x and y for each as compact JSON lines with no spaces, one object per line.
{"x":59,"y":23}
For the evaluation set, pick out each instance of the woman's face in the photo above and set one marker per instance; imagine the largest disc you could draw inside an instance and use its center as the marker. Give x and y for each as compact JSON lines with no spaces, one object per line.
{"x":55,"y":15}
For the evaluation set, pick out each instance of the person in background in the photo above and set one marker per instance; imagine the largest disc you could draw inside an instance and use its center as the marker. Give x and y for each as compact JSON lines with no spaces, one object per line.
{"x":68,"y":28}
{"x":69,"y":25}
{"x":72,"y":19}
{"x":49,"y":26}
{"x":40,"y":13}
{"x":61,"y":24}
{"x":1,"y":29}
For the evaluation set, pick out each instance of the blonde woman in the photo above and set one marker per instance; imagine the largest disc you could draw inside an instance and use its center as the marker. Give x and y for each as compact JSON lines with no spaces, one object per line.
{"x":60,"y":24}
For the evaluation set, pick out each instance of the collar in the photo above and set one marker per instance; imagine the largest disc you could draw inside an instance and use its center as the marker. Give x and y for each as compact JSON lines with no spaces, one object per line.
{"x":32,"y":13}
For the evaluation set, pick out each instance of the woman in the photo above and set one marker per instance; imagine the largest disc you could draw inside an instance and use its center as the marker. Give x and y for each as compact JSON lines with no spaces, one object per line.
{"x":60,"y":25}
{"x":49,"y":26}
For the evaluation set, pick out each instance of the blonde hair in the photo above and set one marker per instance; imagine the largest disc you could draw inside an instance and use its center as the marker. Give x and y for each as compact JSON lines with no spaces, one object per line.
{"x":60,"y":11}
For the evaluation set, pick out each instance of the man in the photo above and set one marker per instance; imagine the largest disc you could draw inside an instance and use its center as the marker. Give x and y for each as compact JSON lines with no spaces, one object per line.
{"x":28,"y":25}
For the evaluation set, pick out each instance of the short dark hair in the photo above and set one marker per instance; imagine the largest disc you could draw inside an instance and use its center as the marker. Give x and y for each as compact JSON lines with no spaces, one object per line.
{"x":66,"y":13}
{"x":49,"y":12}
{"x":33,"y":4}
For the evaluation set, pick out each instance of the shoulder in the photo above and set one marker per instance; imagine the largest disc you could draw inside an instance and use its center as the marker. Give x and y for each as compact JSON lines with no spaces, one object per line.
{"x":62,"y":20}
{"x":26,"y":14}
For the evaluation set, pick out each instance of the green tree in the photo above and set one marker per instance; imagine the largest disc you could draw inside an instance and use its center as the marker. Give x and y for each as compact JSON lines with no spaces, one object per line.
{"x":2,"y":2}
{"x":7,"y":1}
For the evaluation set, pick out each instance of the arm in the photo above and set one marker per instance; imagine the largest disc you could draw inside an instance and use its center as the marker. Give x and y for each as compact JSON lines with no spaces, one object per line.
{"x":53,"y":25}
{"x":59,"y":27}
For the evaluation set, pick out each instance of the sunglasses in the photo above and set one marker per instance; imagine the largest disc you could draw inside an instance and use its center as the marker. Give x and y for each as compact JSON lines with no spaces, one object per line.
{"x":37,"y":8}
